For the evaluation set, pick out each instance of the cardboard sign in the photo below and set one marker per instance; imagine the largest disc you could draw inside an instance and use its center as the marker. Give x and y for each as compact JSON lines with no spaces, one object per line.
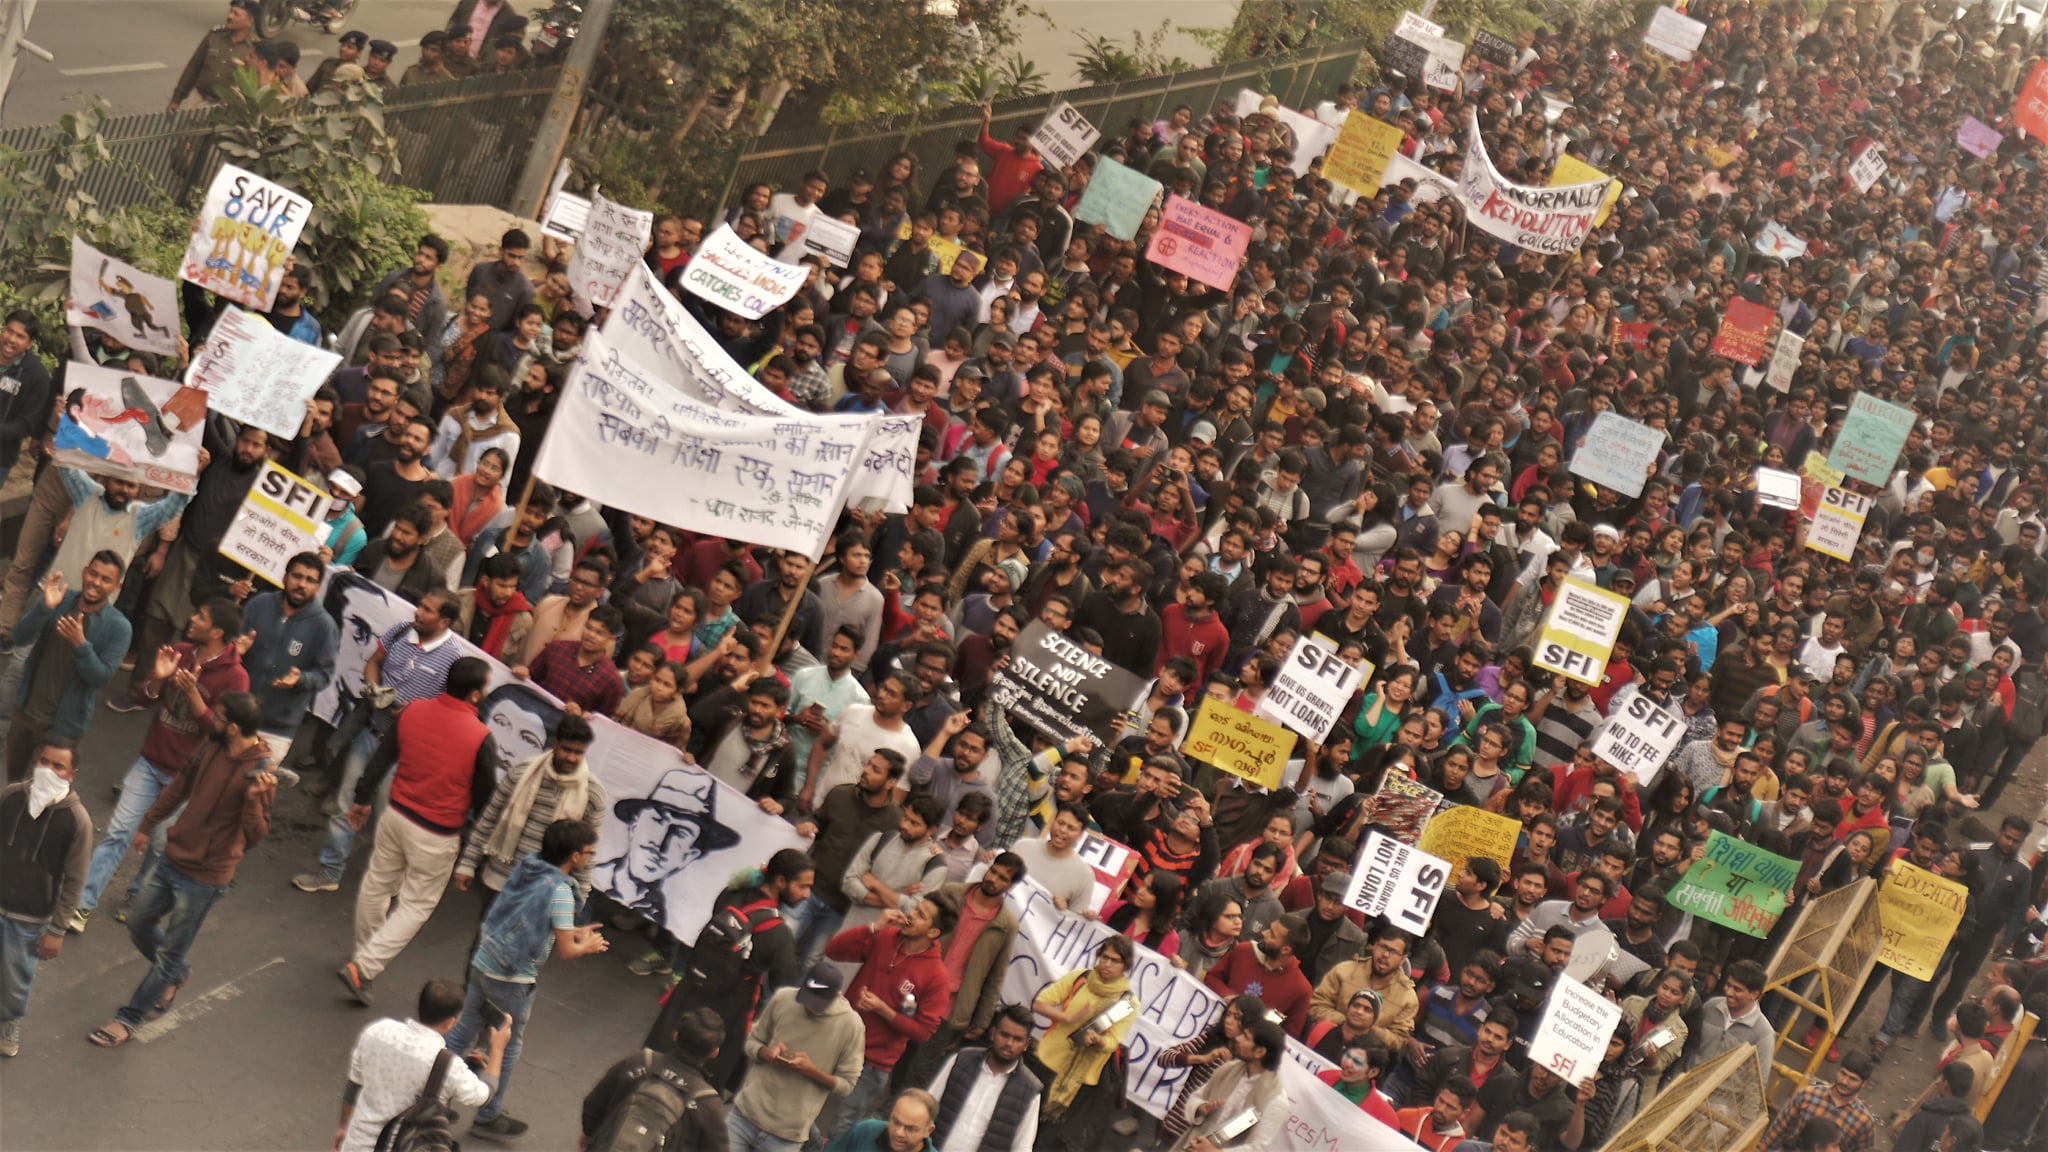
{"x":130,"y":427}
{"x":1572,"y":1039}
{"x":1238,"y":743}
{"x":1785,"y":362}
{"x":243,"y":237}
{"x":1117,"y":198}
{"x":1064,"y":136}
{"x":1735,"y":885}
{"x":1867,"y":168}
{"x":1113,"y":864}
{"x":1815,"y":468}
{"x":1777,"y":489}
{"x":1838,"y":523}
{"x":1673,"y":34}
{"x":1406,"y":49}
{"x":2030,"y":106}
{"x":1775,"y":241}
{"x":1494,"y":49}
{"x":1569,"y":169}
{"x":613,"y":240}
{"x":565,"y":216}
{"x":1199,"y":242}
{"x":1312,"y":688}
{"x":1398,"y":882}
{"x":281,"y":517}
{"x":253,"y":373}
{"x":1618,"y":452}
{"x":1978,"y":138}
{"x":1639,"y":738}
{"x":1744,"y":328}
{"x":1553,"y":221}
{"x":1403,"y":807}
{"x":729,"y":273}
{"x":123,"y":301}
{"x":1872,"y":436}
{"x":1461,"y":832}
{"x":1918,"y":912}
{"x":827,"y":237}
{"x":1062,"y":689}
{"x":1358,"y":157}
{"x":1579,"y":630}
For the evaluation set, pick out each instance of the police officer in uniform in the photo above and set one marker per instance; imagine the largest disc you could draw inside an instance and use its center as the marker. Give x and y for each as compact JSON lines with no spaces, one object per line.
{"x":349,"y":51}
{"x":213,"y":63}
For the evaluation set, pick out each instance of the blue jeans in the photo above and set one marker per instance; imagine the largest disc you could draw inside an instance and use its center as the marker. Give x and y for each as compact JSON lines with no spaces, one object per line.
{"x":341,"y":837}
{"x":813,"y":923}
{"x":164,"y":923}
{"x":139,"y":789}
{"x":516,"y":1001}
{"x":865,"y":1100}
{"x":17,"y":966}
{"x":741,"y":1135}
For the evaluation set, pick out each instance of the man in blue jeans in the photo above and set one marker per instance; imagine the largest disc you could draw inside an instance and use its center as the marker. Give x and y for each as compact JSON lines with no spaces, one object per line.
{"x":534,"y":915}
{"x":225,"y":791}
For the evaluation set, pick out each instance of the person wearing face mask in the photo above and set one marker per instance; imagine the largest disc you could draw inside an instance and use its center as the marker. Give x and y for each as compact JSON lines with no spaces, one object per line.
{"x":45,"y":848}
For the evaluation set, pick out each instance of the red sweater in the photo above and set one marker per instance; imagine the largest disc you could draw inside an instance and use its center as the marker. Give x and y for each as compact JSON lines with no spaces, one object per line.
{"x":438,"y":743}
{"x":1286,"y":991}
{"x":1203,"y":641}
{"x":889,"y":972}
{"x":1009,"y":175}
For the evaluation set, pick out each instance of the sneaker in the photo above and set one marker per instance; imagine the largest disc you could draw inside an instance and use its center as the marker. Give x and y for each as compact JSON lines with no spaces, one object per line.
{"x":654,"y":963}
{"x":127,"y":702}
{"x":503,"y":1127}
{"x":358,"y":987}
{"x":286,"y":777}
{"x":10,"y":1038}
{"x":315,"y":882}
{"x":78,"y":918}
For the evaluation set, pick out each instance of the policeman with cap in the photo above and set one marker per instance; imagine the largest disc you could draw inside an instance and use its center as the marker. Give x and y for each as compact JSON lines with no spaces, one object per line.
{"x":377,"y":69}
{"x":350,"y":51}
{"x":213,"y":63}
{"x":433,"y":63}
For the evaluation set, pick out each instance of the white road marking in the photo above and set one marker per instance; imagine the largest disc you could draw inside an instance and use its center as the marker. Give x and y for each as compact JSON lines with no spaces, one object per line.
{"x":113,"y":69}
{"x":193,"y":1009}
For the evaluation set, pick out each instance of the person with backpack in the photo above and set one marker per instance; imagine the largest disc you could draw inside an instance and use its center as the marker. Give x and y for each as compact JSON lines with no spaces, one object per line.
{"x":660,"y":1101}
{"x":394,"y":1064}
{"x":804,"y":1051}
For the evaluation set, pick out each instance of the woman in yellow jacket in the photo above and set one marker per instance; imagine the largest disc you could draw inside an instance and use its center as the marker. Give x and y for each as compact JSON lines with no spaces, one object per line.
{"x":1092,"y":1010}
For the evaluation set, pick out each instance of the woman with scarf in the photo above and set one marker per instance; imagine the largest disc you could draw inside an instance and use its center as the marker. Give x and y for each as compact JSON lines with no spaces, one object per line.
{"x":459,"y":348}
{"x":479,"y":495}
{"x":1092,"y":1010}
{"x":1219,"y":925}
{"x":555,"y":785}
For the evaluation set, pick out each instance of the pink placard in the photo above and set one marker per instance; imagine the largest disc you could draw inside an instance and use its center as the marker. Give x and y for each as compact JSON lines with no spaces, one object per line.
{"x":1200,"y":242}
{"x":1978,"y":138}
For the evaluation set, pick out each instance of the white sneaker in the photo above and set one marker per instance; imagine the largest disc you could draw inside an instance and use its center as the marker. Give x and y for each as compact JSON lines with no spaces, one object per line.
{"x":10,"y":1037}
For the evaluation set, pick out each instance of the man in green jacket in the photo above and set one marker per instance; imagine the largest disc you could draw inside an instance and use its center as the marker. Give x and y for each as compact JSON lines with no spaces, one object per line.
{"x":977,"y":952}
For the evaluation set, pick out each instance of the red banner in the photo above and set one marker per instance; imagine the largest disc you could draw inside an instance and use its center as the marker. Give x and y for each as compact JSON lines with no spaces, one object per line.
{"x":2030,"y":110}
{"x":1634,"y":333}
{"x":1743,"y":331}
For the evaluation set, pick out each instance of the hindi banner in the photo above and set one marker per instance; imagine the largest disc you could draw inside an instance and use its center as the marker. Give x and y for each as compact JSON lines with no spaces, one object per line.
{"x":122,"y":301}
{"x":1735,"y":885}
{"x":130,"y":427}
{"x":2030,"y":107}
{"x":1200,"y":243}
{"x":736,"y":277}
{"x":253,"y":373}
{"x":1838,"y":524}
{"x":244,"y":237}
{"x":282,"y":516}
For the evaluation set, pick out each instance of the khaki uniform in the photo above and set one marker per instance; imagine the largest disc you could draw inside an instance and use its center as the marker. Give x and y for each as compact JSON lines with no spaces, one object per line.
{"x":213,"y":65}
{"x":426,"y":74}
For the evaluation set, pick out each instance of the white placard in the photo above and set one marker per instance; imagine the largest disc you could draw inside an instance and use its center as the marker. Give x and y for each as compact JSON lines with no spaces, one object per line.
{"x":613,"y":240}
{"x":1778,"y":241}
{"x":1784,"y":360}
{"x":1838,"y":523}
{"x":1868,"y":168}
{"x":1572,"y":1040}
{"x":1776,"y":489}
{"x":1064,"y":136}
{"x":1400,"y":882}
{"x":1674,"y":34}
{"x":1554,"y":221}
{"x":123,"y":301}
{"x":1312,"y":688}
{"x":565,"y":216}
{"x":1113,"y":864}
{"x":138,"y":428}
{"x":253,"y":373}
{"x":740,"y":279}
{"x":826,"y":236}
{"x":279,"y":518}
{"x":1412,"y":28}
{"x":621,"y":437}
{"x":244,"y":237}
{"x":1639,"y":738}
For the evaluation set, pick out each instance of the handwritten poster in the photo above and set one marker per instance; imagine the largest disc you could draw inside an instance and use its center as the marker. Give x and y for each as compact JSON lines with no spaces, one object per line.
{"x":1618,"y":452}
{"x":1978,"y":138}
{"x":1358,"y":157}
{"x":131,"y":427}
{"x":2030,"y":107}
{"x":1673,"y":34}
{"x":1117,"y":198}
{"x":1239,"y":743}
{"x":243,"y":237}
{"x":1554,"y":221}
{"x":1735,"y":885}
{"x":1572,"y":170}
{"x":1199,"y":242}
{"x":1744,"y":328}
{"x":614,"y":238}
{"x":1872,"y":436}
{"x":1571,"y":1040}
{"x":1064,"y":136}
{"x":1460,"y":833}
{"x":253,"y":373}
{"x":114,"y":297}
{"x":740,"y":279}
{"x":1918,"y":912}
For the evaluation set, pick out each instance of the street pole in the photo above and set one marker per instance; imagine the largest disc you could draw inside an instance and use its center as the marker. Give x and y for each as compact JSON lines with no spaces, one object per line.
{"x":529,"y":198}
{"x":14,"y":16}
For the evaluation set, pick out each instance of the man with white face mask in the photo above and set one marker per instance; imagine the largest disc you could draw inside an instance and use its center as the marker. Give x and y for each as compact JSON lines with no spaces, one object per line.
{"x":45,"y":847}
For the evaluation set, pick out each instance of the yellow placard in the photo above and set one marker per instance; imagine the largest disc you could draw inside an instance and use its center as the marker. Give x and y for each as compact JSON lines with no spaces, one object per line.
{"x":1572,"y":170}
{"x":1918,"y":912}
{"x":1359,"y":156}
{"x":1239,"y":743}
{"x":946,"y":250}
{"x":1461,"y":833}
{"x":1816,"y":467}
{"x":1578,"y":631}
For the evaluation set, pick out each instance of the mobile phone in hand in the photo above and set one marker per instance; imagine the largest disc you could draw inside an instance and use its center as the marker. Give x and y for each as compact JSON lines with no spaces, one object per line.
{"x":494,"y":1016}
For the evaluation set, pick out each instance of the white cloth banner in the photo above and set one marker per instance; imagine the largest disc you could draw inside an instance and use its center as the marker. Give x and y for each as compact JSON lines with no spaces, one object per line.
{"x":1311,"y":689}
{"x":621,"y":437}
{"x":1674,"y":34}
{"x":123,"y":301}
{"x":1639,"y":738}
{"x":243,"y":237}
{"x":1064,"y":136}
{"x":1398,"y":881}
{"x":1553,"y":221}
{"x":740,"y":279}
{"x":613,"y":239}
{"x":253,"y":373}
{"x":1430,"y":185}
{"x":1312,"y":137}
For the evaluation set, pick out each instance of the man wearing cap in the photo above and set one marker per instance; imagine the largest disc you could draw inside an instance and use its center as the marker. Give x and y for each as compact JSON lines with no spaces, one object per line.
{"x":213,"y":63}
{"x":377,"y":68}
{"x":1333,"y":937}
{"x":1268,"y":966}
{"x":666,"y":831}
{"x":805,"y":1051}
{"x":348,"y":50}
{"x":433,"y":64}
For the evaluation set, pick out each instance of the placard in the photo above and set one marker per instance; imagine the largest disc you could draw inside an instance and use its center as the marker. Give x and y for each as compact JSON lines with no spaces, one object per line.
{"x":1673,"y":34}
{"x":1618,"y":452}
{"x":1978,"y":138}
{"x":1776,"y":488}
{"x":1579,"y":630}
{"x":280,"y":518}
{"x":130,"y":427}
{"x":1113,"y":864}
{"x":613,"y":240}
{"x":1406,"y":50}
{"x":1868,"y":168}
{"x":1064,"y":136}
{"x":1634,"y":333}
{"x":736,"y":277}
{"x":621,"y":438}
{"x":1744,"y":328}
{"x":244,"y":237}
{"x":1238,"y":743}
{"x":1397,"y":881}
{"x":1785,"y":362}
{"x":1639,"y":738}
{"x":1430,"y":185}
{"x":1918,"y":912}
{"x":121,"y":300}
{"x":253,"y":373}
{"x":564,"y":217}
{"x":1462,"y":832}
{"x":1735,"y":885}
{"x":1872,"y":436}
{"x":1117,"y":198}
{"x":826,"y":236}
{"x":1403,"y":808}
{"x":1778,"y":242}
{"x":1359,"y":155}
{"x":1838,"y":523}
{"x":2030,"y":106}
{"x":1495,"y":50}
{"x":1553,"y":221}
{"x":1311,"y":689}
{"x":1312,"y":137}
{"x":1062,"y":689}
{"x":1572,"y":1039}
{"x":1570,"y":170}
{"x":1815,"y":468}
{"x":1200,"y":243}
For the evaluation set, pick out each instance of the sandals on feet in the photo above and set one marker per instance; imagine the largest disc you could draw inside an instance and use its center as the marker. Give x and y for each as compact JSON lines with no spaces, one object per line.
{"x":112,"y":1034}
{"x":170,"y":999}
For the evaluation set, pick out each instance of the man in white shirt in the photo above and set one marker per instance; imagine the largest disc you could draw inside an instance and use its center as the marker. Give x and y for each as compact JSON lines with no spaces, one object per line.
{"x":1818,"y":653}
{"x":1054,"y":865}
{"x":393,"y":1058}
{"x":843,"y":749}
{"x":980,"y":1089}
{"x":790,"y":213}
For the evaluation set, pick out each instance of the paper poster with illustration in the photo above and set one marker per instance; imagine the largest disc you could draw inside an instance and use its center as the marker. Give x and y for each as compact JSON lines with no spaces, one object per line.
{"x":110,"y":296}
{"x":131,"y":427}
{"x":243,"y":238}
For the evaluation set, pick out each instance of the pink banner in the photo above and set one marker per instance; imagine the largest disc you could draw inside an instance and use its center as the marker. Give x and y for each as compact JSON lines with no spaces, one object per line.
{"x":1200,"y":242}
{"x":1978,"y":138}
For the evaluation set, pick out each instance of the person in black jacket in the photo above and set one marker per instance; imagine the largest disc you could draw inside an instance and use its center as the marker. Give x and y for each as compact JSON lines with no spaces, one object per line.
{"x":619,"y":1104}
{"x":25,"y":388}
{"x":743,"y":741}
{"x":1950,"y":1099}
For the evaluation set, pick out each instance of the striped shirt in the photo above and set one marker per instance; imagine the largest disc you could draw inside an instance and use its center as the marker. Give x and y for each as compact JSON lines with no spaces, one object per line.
{"x":413,"y":670}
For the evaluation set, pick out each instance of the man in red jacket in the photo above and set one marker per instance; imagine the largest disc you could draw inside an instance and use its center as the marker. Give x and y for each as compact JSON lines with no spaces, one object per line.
{"x":446,"y":769}
{"x":1192,"y":628}
{"x":1012,"y":167}
{"x":902,"y":993}
{"x":1268,"y":967}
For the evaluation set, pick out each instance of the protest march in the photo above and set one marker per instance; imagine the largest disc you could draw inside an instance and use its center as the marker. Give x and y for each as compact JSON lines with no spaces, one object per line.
{"x":1498,"y":608}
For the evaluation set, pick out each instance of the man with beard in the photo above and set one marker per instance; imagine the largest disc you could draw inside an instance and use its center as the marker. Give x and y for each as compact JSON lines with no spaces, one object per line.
{"x":977,"y":956}
{"x":1252,"y":889}
{"x":1130,"y":814}
{"x":1268,"y":966}
{"x":289,"y":314}
{"x":1470,"y":922}
{"x":1332,"y":936}
{"x":1468,"y":598}
{"x":1636,"y":930}
{"x":465,"y":435}
{"x":769,"y":598}
{"x":104,"y":516}
{"x":426,"y":305}
{"x":1383,"y":970}
{"x":359,"y":422}
{"x":186,"y":566}
{"x":988,"y":1098}
{"x":395,"y":561}
{"x":1262,"y":608}
{"x":389,"y":485}
{"x":1119,"y":612}
{"x":74,"y":643}
{"x":290,"y":656}
{"x":495,"y":616}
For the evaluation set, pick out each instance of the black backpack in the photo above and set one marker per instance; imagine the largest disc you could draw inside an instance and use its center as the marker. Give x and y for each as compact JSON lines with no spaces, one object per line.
{"x":426,"y":1126}
{"x":722,"y":960}
{"x":653,"y":1108}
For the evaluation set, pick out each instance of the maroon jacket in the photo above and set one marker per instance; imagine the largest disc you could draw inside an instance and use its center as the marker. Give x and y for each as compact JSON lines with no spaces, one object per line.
{"x":177,"y":731}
